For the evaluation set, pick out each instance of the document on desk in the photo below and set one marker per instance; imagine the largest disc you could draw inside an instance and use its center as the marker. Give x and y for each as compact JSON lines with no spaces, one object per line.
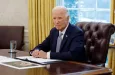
{"x":21,"y":64}
{"x":17,"y":64}
{"x":38,"y":60}
{"x":6,"y":59}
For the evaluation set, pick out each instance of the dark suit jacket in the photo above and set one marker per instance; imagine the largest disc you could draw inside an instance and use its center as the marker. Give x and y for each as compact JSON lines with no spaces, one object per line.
{"x":72,"y":46}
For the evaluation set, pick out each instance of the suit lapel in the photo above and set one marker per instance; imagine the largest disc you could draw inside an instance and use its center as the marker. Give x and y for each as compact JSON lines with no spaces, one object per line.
{"x":67,"y":33}
{"x":64,"y":41}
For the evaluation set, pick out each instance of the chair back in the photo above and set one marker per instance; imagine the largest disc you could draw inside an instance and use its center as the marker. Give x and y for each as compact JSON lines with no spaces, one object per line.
{"x":96,"y":36}
{"x":8,"y":33}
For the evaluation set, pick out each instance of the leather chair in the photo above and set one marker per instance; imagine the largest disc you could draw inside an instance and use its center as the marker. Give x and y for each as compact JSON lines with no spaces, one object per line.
{"x":8,"y":33}
{"x":96,"y":36}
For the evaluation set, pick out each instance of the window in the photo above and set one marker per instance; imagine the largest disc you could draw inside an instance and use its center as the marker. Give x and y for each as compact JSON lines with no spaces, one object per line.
{"x":87,"y":10}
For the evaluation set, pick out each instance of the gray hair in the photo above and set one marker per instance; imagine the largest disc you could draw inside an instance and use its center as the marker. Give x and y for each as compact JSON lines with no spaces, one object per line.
{"x":61,"y":8}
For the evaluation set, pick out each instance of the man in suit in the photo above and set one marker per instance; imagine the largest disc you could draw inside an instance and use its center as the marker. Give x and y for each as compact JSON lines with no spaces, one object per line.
{"x":72,"y":39}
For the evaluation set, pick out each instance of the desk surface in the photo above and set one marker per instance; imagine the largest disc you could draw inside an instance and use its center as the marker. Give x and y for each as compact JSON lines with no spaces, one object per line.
{"x":60,"y":68}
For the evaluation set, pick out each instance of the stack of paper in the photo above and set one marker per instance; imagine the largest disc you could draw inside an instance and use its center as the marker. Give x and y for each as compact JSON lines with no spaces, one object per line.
{"x":37,"y":60}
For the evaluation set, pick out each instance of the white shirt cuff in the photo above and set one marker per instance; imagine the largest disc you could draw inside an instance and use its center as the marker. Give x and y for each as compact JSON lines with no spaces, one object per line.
{"x":48,"y":55}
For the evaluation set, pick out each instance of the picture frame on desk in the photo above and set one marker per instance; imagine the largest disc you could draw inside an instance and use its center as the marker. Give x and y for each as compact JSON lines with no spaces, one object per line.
{"x":21,"y":64}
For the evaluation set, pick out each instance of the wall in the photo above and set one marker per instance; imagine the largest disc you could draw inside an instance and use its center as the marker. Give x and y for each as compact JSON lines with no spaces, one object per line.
{"x":15,"y":12}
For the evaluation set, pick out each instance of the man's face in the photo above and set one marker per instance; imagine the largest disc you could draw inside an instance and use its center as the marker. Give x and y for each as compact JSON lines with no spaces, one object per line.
{"x":60,"y":20}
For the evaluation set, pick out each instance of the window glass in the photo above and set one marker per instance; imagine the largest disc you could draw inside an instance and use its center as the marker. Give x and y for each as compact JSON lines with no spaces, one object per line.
{"x":70,"y":3}
{"x":86,"y":15}
{"x":87,"y":10}
{"x":103,"y":4}
{"x":73,"y":16}
{"x":103,"y":16}
{"x":87,"y":3}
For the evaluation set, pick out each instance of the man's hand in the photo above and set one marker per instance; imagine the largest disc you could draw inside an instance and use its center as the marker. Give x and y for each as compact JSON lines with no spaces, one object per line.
{"x":42,"y":54}
{"x":35,"y":53}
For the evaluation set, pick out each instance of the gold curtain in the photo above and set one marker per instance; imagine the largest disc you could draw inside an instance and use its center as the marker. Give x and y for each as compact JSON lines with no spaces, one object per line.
{"x":111,"y":53}
{"x":40,"y":20}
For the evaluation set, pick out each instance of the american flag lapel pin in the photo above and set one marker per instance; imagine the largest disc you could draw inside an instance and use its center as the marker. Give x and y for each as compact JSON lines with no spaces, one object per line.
{"x":66,"y":36}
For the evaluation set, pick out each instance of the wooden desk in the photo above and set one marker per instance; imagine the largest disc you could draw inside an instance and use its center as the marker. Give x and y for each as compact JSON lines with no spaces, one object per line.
{"x":61,"y":68}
